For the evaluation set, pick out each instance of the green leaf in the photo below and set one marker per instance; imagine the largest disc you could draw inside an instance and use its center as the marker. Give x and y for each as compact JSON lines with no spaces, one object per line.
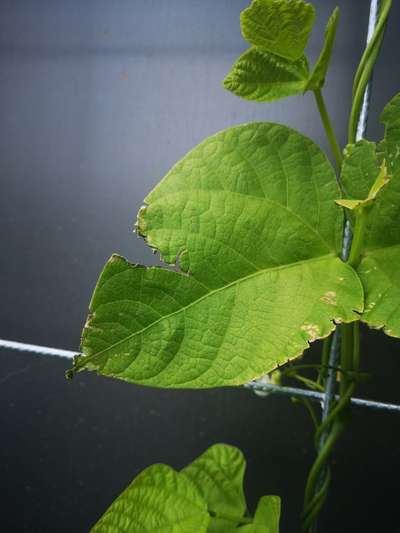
{"x":266,"y":519}
{"x":376,"y":187}
{"x":378,"y":269}
{"x":359,"y":170}
{"x":317,"y":77}
{"x":206,"y":496}
{"x":218,"y":475}
{"x":278,"y":26}
{"x":159,"y":499}
{"x":268,"y":513}
{"x":379,"y":183}
{"x":250,"y":216}
{"x":265,"y":77}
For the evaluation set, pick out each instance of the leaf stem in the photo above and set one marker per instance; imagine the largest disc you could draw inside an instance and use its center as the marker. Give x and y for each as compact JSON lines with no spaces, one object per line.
{"x":358,"y":237}
{"x":330,"y":133}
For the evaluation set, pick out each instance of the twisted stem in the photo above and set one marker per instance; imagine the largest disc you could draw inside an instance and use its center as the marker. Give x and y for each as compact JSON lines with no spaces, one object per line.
{"x":331,"y":428}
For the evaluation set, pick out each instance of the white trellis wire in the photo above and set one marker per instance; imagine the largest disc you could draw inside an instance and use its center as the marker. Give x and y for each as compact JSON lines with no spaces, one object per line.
{"x":257,"y":386}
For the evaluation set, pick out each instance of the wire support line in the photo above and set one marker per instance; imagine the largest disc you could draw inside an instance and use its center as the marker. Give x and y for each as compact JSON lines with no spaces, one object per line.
{"x":34,"y":348}
{"x":294,"y":392}
{"x":363,"y":118}
{"x":334,"y":353}
{"x":257,"y":386}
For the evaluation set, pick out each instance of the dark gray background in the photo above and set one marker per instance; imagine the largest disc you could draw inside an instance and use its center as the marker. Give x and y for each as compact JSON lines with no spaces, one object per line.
{"x":98,"y":99}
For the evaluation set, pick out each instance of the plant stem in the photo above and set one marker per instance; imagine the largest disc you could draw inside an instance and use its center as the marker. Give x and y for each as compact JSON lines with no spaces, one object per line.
{"x":315,"y":473}
{"x":365,"y":67}
{"x":330,"y":133}
{"x":311,"y":384}
{"x":332,"y":426}
{"x":358,"y":237}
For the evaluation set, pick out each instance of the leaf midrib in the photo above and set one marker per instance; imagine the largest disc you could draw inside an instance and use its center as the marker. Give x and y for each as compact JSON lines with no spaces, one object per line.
{"x":82,"y":361}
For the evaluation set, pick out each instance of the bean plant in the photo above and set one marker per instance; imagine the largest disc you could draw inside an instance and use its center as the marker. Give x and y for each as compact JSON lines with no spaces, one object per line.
{"x":252,"y":222}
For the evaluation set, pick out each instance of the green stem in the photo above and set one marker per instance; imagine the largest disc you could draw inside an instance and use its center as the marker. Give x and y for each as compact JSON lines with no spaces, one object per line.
{"x":330,"y":133}
{"x":365,"y":67}
{"x":337,"y":419}
{"x":317,"y":503}
{"x":383,"y":14}
{"x":320,"y":462}
{"x":358,"y":237}
{"x":340,"y":406}
{"x":311,"y":384}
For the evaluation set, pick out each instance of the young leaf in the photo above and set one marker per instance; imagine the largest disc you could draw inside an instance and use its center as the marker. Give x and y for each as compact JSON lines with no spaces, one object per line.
{"x":268,"y":512}
{"x":159,"y":499}
{"x":381,"y":180}
{"x":379,"y":183}
{"x":378,"y":269}
{"x":265,"y":77}
{"x":359,"y":170}
{"x":266,"y":519}
{"x":317,"y":77}
{"x":278,"y":26}
{"x":218,"y":475}
{"x":250,"y":216}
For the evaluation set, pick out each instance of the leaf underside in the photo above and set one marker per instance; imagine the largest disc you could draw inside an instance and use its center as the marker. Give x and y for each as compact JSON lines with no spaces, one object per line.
{"x":378,"y":270}
{"x":218,"y":475}
{"x":250,"y":216}
{"x":205,"y":497}
{"x":264,"y":77}
{"x":159,"y":499}
{"x":266,"y":518}
{"x":281,"y":28}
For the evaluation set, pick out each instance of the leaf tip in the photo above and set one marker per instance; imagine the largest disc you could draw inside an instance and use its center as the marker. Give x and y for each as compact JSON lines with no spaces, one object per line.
{"x":75,"y":368}
{"x":116,"y":258}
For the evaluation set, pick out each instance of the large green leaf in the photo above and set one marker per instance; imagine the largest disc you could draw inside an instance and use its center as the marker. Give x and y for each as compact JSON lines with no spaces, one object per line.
{"x":218,"y":475}
{"x":265,"y":77}
{"x":250,"y":216}
{"x":159,"y":499}
{"x":378,"y":269}
{"x":266,"y":518}
{"x":318,"y":74}
{"x":278,"y":26}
